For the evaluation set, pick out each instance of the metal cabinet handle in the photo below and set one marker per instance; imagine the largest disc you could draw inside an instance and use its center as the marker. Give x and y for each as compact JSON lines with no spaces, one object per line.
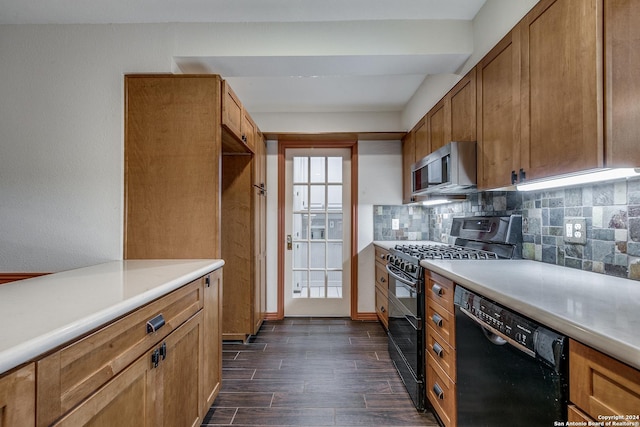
{"x":155,"y":323}
{"x":163,"y":350}
{"x":382,"y":309}
{"x":155,"y":358}
{"x":207,"y":281}
{"x":514,"y":177}
{"x":437,"y":349}
{"x":437,"y":289}
{"x":522,"y":175}
{"x":382,"y":280}
{"x":437,"y":390}
{"x":437,"y":319}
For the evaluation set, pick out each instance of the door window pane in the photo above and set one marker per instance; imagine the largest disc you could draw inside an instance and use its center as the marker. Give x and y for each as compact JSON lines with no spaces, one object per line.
{"x":300,"y":169}
{"x":334,"y":226}
{"x":334,"y":169}
{"x":318,"y":227}
{"x":300,"y":198}
{"x":300,"y":284}
{"x":317,"y":198}
{"x":334,"y":284}
{"x":316,"y":284}
{"x":300,"y":255}
{"x":334,"y":258}
{"x":317,"y":169}
{"x":300,"y":226}
{"x":334,"y":194}
{"x":318,"y":255}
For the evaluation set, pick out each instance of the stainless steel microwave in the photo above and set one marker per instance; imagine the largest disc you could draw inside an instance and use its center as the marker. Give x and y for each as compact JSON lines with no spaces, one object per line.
{"x":450,"y":169}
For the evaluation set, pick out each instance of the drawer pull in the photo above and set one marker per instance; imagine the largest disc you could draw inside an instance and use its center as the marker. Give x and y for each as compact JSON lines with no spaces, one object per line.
{"x":437,"y":349}
{"x":207,"y":281}
{"x":437,"y":390}
{"x":437,"y":290}
{"x":436,"y":319}
{"x":155,"y":323}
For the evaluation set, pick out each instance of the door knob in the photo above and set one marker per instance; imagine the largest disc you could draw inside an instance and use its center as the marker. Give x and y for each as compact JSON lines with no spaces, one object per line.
{"x":289,"y":242}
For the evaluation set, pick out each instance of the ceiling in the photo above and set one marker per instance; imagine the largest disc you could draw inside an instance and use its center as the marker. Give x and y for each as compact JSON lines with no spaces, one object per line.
{"x":375,"y":78}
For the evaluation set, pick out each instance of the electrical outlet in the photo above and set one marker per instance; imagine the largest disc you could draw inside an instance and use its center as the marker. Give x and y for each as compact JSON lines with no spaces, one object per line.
{"x":575,"y":230}
{"x":395,"y":224}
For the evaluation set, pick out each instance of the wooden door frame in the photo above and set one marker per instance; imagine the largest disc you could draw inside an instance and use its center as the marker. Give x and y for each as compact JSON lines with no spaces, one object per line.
{"x":282,"y":147}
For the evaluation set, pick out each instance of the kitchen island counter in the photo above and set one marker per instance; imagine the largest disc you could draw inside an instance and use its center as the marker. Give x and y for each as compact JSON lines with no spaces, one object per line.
{"x":598,"y":310}
{"x":45,"y":312}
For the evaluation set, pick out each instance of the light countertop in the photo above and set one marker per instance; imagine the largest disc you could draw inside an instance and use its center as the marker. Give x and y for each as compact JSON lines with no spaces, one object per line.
{"x":598,"y":310}
{"x":40,"y":314}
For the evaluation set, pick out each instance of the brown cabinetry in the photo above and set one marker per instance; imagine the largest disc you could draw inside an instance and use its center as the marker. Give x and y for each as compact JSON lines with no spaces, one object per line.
{"x":602,"y":386}
{"x":440,"y":347}
{"x":382,"y":286}
{"x":189,"y":182}
{"x":561,"y":88}
{"x":421,"y":139}
{"x":498,"y":114}
{"x":621,"y":65}
{"x":260,"y":230}
{"x":438,"y":132}
{"x":408,"y":159}
{"x":212,"y":339}
{"x":18,"y":397}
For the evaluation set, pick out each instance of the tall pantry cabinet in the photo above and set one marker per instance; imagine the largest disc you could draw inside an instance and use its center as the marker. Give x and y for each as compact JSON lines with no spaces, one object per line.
{"x":189,"y":185}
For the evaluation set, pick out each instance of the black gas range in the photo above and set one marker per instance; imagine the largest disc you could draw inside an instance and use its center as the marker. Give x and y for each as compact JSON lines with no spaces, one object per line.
{"x":476,"y":238}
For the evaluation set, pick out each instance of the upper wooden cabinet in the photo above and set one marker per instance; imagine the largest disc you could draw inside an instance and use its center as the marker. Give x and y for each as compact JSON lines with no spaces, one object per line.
{"x":561,"y":88}
{"x":622,"y":62}
{"x":498,"y":114}
{"x":421,"y":140}
{"x":454,"y":117}
{"x":240,"y":129}
{"x":408,"y":158}
{"x":172,"y":167}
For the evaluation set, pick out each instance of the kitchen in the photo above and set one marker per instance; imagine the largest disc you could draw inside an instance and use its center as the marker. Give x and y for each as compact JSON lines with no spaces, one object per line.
{"x":57,"y":213}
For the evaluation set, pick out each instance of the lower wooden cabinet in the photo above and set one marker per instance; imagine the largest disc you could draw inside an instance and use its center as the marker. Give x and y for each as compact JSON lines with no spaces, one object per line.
{"x":18,"y":397}
{"x":602,"y":386}
{"x":159,"y":389}
{"x":212,"y":340}
{"x":382,"y":286}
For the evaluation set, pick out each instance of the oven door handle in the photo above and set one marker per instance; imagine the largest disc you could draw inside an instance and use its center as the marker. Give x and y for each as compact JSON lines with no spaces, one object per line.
{"x":399,"y":278}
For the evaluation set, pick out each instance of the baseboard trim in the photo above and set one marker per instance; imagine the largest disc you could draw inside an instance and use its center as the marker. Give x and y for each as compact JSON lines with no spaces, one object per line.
{"x":12,"y":277}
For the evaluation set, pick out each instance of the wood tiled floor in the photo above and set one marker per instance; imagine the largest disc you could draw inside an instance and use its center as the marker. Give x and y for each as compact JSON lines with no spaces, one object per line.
{"x":313,"y":372}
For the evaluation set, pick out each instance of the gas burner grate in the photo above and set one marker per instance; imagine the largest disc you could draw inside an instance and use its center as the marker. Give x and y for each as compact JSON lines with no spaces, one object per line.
{"x":444,"y":252}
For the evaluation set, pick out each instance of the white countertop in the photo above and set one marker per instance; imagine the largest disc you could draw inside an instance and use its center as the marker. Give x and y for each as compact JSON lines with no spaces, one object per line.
{"x":40,"y":314}
{"x":598,"y":310}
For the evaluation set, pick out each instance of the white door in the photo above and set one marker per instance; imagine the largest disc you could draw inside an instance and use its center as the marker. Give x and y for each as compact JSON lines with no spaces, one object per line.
{"x":317,"y":232}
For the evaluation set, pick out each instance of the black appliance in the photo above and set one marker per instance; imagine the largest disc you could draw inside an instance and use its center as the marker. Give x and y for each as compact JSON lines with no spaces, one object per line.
{"x":510,"y":370}
{"x":479,"y":237}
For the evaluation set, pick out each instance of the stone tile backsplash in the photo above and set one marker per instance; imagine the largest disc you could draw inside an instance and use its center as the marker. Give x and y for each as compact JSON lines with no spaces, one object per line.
{"x":611,"y":212}
{"x":412,"y":223}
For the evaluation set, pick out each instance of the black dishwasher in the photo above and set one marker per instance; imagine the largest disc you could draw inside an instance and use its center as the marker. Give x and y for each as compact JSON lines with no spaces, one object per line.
{"x":511,"y":371}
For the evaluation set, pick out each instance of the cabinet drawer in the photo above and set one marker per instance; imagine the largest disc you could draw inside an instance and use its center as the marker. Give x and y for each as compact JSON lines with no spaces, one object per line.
{"x":382,"y":276}
{"x":441,"y":392}
{"x":381,"y":254}
{"x":441,"y":321}
{"x":441,"y":352}
{"x":440,"y":290}
{"x":381,"y":307}
{"x":601,"y":385}
{"x":69,"y":375}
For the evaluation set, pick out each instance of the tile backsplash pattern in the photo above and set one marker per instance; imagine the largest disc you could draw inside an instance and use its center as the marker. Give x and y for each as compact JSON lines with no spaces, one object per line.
{"x":413,"y":224}
{"x":611,"y":211}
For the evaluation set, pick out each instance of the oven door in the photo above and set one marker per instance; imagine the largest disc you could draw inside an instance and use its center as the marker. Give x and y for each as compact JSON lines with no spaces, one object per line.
{"x":406,"y":332}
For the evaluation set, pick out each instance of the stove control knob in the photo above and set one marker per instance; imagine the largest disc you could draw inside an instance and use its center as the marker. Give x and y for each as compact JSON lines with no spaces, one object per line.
{"x":402,"y":264}
{"x":410,"y":268}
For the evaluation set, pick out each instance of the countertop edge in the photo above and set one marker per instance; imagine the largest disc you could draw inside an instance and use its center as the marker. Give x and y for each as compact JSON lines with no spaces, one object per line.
{"x":614,"y":348}
{"x":30,"y":350}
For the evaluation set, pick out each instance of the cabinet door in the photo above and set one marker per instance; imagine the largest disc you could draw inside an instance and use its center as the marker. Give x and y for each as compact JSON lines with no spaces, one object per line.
{"x":438,"y":134}
{"x":498,"y":97}
{"x":212,"y":339}
{"x":232,"y":113}
{"x":463,"y":108}
{"x":18,"y":397}
{"x":260,"y":239}
{"x":408,"y":158}
{"x":561,"y":88}
{"x":421,"y":138}
{"x":248,"y":131}
{"x":622,"y":62}
{"x":180,"y":384}
{"x":126,"y":401}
